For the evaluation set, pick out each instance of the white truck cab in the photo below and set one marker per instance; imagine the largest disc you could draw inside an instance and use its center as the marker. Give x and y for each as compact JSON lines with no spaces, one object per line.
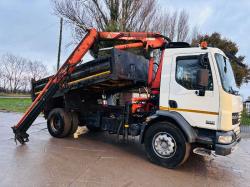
{"x":214,"y":111}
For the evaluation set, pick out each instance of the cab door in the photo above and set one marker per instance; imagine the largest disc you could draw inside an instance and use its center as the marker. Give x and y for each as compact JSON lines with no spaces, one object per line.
{"x":200,"y":110}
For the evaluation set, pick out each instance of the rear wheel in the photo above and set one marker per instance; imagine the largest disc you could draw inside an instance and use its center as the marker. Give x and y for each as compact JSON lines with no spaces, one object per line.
{"x":61,"y":123}
{"x":166,"y":145}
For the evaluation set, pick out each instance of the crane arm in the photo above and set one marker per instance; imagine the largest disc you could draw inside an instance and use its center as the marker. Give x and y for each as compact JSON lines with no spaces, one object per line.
{"x":138,"y":39}
{"x":52,"y":86}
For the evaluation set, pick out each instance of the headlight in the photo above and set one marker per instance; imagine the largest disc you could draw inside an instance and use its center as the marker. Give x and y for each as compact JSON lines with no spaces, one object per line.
{"x":225,"y":139}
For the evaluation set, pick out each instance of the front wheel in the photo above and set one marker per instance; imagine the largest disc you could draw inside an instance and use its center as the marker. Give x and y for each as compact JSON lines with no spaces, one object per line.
{"x":166,"y":145}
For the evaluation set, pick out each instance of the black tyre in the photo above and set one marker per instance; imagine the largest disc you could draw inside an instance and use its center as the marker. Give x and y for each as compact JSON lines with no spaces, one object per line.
{"x":59,"y":123}
{"x":166,"y":145}
{"x":93,"y":128}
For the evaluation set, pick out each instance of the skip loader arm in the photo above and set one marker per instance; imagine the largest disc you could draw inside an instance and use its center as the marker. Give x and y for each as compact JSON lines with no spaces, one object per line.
{"x":134,"y":40}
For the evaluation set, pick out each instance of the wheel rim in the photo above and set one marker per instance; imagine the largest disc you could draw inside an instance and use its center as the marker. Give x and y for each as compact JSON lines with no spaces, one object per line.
{"x":56,"y":124}
{"x":164,"y":145}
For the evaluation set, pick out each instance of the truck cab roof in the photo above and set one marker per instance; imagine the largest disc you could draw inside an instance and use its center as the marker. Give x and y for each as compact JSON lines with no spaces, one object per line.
{"x":192,"y":50}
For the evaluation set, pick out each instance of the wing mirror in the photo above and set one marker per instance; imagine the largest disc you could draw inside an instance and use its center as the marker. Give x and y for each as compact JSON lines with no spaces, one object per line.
{"x":202,"y":81}
{"x":202,"y":77}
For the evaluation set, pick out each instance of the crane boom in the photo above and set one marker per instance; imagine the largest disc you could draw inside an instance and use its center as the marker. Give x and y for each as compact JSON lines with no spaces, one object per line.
{"x":147,"y":40}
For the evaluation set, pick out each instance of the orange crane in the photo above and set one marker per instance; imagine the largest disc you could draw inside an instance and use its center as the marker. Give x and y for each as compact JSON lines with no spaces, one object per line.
{"x":145,"y":40}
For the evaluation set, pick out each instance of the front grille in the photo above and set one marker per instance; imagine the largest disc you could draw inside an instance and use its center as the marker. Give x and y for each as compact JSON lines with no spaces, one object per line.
{"x":235,"y":118}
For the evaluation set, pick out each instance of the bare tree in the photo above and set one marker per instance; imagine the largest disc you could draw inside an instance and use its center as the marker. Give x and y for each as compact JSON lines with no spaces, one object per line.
{"x":17,"y":72}
{"x":165,"y":23}
{"x":3,"y":80}
{"x":1,"y":77}
{"x":174,"y":25}
{"x":182,"y":26}
{"x":194,"y":35}
{"x":123,"y":15}
{"x":108,"y":15}
{"x":36,"y":70}
{"x":14,"y":68}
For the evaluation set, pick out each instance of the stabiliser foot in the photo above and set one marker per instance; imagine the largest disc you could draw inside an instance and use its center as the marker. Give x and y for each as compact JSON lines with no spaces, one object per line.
{"x":22,"y":137}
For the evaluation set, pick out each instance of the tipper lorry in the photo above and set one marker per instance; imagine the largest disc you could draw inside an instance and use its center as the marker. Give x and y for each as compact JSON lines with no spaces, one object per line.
{"x":174,"y":97}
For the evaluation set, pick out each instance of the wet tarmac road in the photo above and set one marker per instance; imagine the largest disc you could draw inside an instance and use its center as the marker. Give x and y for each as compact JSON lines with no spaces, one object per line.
{"x":100,"y":160}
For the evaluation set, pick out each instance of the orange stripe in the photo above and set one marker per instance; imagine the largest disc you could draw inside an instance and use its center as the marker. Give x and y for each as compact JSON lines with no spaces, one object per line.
{"x":189,"y":110}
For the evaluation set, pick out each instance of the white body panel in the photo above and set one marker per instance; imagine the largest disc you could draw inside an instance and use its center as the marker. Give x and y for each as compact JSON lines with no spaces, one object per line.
{"x":199,"y":111}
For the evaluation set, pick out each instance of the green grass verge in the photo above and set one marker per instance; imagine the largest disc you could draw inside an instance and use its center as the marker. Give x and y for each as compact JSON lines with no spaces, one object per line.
{"x":14,"y":104}
{"x":245,"y":119}
{"x":14,"y":95}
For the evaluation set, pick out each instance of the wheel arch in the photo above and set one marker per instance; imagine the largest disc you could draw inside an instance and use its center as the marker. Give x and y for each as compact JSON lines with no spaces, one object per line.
{"x":174,"y":118}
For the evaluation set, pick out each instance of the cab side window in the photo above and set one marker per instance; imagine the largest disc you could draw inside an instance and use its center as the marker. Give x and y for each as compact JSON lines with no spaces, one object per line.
{"x":187,"y":68}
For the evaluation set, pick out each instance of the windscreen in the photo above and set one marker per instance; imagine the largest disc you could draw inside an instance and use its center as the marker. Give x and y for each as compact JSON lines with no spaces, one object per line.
{"x":226,"y":74}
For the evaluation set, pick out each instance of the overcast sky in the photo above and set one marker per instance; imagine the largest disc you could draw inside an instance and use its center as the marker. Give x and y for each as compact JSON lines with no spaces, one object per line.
{"x":29,"y":28}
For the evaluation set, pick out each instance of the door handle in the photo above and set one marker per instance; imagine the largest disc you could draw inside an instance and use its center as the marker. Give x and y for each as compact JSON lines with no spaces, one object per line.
{"x":200,"y":92}
{"x":172,"y":104}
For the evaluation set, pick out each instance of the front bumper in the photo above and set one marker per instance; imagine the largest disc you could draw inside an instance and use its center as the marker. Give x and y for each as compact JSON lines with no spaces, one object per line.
{"x":226,"y":149}
{"x":222,"y":149}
